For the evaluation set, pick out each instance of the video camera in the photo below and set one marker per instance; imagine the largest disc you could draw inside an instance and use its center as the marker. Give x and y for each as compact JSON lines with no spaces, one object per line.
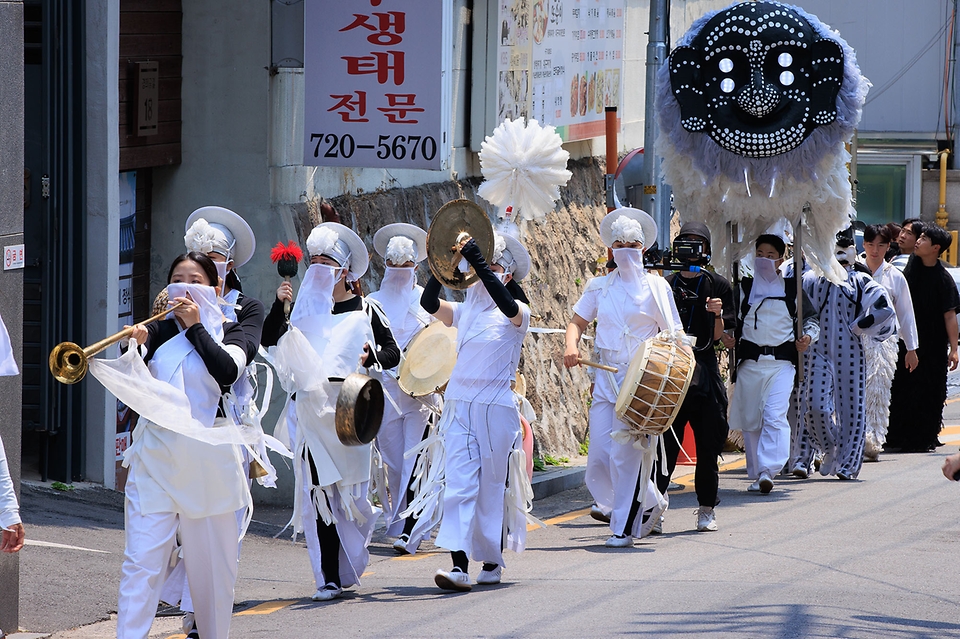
{"x":685,"y":255}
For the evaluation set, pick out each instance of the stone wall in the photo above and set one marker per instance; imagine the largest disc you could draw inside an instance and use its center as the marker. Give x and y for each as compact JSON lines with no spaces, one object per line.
{"x":566,"y":252}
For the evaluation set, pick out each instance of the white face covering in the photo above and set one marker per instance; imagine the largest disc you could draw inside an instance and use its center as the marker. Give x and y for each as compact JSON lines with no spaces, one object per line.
{"x":222,"y":270}
{"x":206,"y":298}
{"x":395,"y":291}
{"x":316,"y":293}
{"x":629,"y":265}
{"x":478,"y":297}
{"x":766,"y":280}
{"x":398,"y":279}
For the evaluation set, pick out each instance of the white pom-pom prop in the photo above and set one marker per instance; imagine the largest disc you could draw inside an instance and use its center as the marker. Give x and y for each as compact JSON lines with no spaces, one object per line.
{"x":401,"y":250}
{"x":322,"y":241}
{"x":626,"y":230}
{"x":523,"y":166}
{"x":201,"y":237}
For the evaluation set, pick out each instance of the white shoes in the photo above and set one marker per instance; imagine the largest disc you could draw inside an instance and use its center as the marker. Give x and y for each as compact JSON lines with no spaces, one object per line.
{"x":619,"y":541}
{"x":651,"y":517}
{"x":763,"y":485}
{"x":706,"y":519}
{"x":801,"y":473}
{"x":599,"y":515}
{"x":454,"y":580}
{"x":490,"y":577}
{"x":327,"y":593}
{"x":400,"y":545}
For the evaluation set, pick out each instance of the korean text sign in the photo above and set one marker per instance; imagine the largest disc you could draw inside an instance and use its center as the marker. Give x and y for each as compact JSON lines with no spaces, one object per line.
{"x":373,"y":91}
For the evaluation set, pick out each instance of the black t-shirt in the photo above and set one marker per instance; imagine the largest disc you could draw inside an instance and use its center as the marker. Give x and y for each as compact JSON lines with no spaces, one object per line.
{"x":934,"y":293}
{"x":691,"y":296}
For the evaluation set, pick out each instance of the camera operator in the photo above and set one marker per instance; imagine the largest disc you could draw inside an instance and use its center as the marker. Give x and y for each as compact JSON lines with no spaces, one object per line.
{"x":705,"y":303}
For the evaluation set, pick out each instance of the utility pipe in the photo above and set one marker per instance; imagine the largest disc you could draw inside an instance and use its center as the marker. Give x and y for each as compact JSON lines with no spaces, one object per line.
{"x":942,"y":216}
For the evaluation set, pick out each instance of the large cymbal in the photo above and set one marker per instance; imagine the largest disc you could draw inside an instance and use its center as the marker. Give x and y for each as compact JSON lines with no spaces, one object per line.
{"x":454,"y":221}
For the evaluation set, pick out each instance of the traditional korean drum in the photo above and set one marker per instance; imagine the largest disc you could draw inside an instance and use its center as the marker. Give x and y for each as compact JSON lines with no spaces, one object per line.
{"x":655,"y":385}
{"x":429,"y":360}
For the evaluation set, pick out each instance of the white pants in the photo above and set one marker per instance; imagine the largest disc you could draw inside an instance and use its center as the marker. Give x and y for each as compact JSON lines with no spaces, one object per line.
{"x":613,"y":470}
{"x":477,"y":439}
{"x":399,"y":432}
{"x":210,"y":547}
{"x":768,"y":449}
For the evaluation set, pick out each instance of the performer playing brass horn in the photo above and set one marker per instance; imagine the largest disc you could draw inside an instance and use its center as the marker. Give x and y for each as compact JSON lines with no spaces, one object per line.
{"x":630,"y":306}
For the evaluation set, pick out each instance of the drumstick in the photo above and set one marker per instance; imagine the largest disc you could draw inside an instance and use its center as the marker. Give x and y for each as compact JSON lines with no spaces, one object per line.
{"x":603,"y":367}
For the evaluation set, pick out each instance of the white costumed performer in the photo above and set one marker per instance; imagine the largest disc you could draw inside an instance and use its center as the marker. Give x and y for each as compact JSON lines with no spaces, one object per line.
{"x":405,"y":418}
{"x":630,"y":306}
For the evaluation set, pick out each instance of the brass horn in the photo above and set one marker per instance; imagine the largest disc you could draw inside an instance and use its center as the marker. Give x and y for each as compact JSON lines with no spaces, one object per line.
{"x":455,"y":223}
{"x":68,"y":362}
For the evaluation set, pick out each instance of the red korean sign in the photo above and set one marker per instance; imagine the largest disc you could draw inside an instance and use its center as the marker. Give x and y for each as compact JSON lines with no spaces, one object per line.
{"x":374,"y":84}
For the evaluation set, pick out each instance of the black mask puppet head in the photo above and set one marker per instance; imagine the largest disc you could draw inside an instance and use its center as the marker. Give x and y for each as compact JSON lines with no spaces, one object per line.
{"x":757,"y":79}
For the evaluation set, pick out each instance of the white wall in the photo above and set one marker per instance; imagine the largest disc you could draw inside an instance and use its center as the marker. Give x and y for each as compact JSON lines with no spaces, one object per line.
{"x":103,"y":225}
{"x":887,"y":34}
{"x":225,"y":114}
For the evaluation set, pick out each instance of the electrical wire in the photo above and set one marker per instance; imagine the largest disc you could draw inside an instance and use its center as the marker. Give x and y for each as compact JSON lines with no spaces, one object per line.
{"x":906,"y":67}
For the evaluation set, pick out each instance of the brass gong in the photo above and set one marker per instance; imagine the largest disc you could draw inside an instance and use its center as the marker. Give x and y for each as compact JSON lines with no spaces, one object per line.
{"x":454,"y":223}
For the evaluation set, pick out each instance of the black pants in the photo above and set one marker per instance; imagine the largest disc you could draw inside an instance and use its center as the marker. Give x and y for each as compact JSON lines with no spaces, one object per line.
{"x":708,"y":420}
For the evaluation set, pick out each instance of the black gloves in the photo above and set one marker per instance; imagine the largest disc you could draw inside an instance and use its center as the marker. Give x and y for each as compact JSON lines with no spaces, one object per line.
{"x":430,"y":299}
{"x":498,"y":292}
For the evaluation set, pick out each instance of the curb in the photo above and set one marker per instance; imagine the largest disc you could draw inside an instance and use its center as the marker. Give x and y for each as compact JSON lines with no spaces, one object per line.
{"x":551,"y":482}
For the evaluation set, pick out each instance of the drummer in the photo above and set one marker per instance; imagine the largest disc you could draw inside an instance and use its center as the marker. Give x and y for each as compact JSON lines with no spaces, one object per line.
{"x":630,"y":306}
{"x":405,"y":418}
{"x":342,"y":330}
{"x":480,"y":425}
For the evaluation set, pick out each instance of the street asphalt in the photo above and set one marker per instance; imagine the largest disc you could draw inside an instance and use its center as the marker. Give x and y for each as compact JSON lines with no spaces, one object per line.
{"x":874,"y":557}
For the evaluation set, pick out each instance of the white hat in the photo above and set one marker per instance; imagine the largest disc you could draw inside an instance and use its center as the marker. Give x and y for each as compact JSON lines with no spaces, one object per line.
{"x":521,"y":257}
{"x":400,"y":229}
{"x":357,"y":261}
{"x":234,"y":227}
{"x":646,"y":222}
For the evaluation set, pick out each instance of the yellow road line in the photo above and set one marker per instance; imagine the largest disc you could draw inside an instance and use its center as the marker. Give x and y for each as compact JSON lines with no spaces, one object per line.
{"x":562,"y":519}
{"x":179,"y":636}
{"x":266,"y":607}
{"x":950,"y":430}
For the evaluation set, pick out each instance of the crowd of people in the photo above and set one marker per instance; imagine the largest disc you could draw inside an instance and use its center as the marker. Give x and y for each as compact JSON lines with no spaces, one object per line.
{"x":827,"y":375}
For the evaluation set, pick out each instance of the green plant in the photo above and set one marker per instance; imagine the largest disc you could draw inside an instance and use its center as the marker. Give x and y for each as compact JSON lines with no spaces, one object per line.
{"x":578,"y":281}
{"x":584,"y":446}
{"x":550,"y":460}
{"x":59,"y":485}
{"x":538,"y":464}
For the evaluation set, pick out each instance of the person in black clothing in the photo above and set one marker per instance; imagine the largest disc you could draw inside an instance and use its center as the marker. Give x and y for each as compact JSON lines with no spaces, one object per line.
{"x":343,"y":332}
{"x":917,"y":397}
{"x":705,"y":303}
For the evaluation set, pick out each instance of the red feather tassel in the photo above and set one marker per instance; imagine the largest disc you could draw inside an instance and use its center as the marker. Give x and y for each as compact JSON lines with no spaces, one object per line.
{"x":291,"y":251}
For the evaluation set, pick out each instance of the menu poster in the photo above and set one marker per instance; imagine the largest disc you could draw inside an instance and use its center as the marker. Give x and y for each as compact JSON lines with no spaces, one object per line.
{"x":560,"y":62}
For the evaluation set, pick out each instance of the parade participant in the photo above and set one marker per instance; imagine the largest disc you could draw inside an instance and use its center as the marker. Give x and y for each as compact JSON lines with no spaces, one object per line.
{"x":767,"y":347}
{"x":227,"y":239}
{"x":832,"y":392}
{"x":480,"y":425}
{"x":11,"y":539}
{"x":629,"y":306}
{"x":178,"y":477}
{"x":334,"y":332}
{"x":917,"y":397}
{"x":881,"y":357}
{"x":405,"y":418}
{"x":705,"y":304}
{"x":910,"y":231}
